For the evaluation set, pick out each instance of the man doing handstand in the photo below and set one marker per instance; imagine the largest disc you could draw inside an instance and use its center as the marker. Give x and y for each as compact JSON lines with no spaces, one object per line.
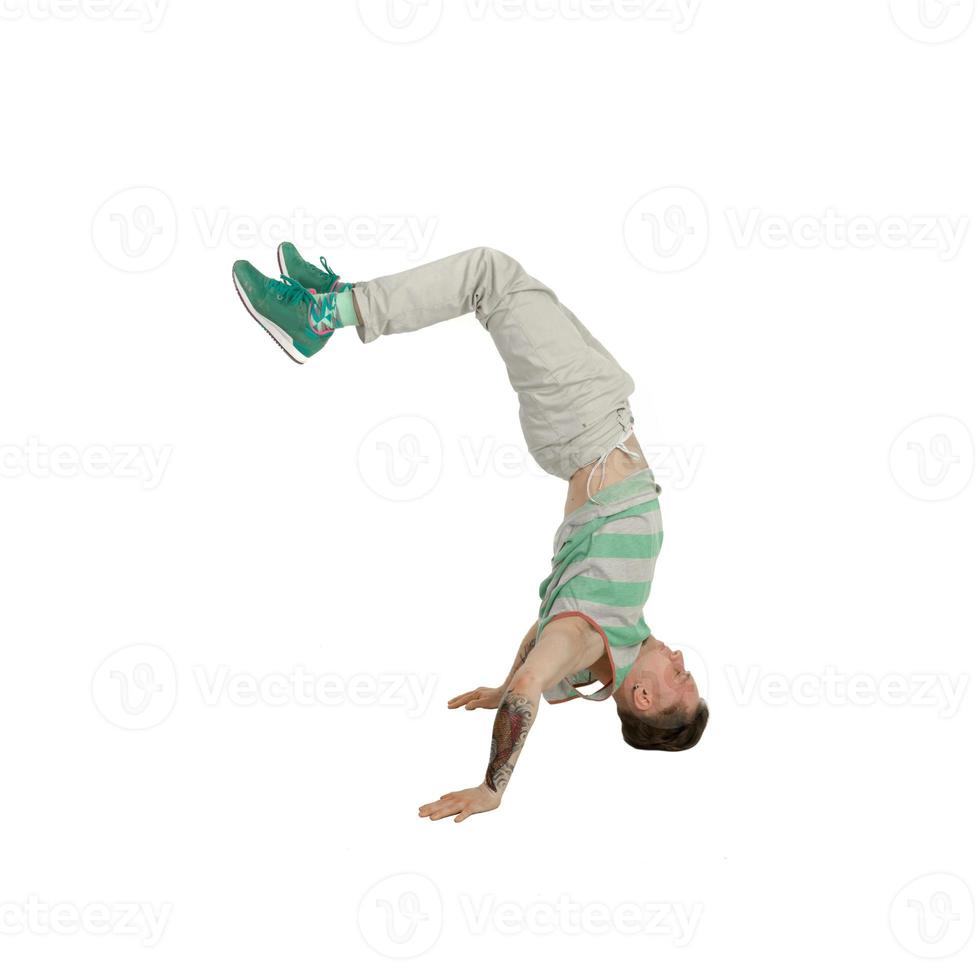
{"x":576,"y":419}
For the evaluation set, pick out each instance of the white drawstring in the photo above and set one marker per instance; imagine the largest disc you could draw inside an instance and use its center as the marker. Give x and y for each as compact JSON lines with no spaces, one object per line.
{"x":601,"y":462}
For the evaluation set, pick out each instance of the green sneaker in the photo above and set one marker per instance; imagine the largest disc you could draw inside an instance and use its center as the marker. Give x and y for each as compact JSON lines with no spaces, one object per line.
{"x":324,"y":280}
{"x":298,"y":320}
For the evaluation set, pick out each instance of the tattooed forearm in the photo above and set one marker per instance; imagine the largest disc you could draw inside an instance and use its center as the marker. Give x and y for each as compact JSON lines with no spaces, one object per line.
{"x":510,"y":728}
{"x":526,"y":652}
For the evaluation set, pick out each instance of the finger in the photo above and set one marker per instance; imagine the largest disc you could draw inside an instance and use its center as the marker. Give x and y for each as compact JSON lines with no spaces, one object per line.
{"x":461,"y":699}
{"x":436,"y":811}
{"x":435,"y":804}
{"x":446,"y":810}
{"x":467,"y":812}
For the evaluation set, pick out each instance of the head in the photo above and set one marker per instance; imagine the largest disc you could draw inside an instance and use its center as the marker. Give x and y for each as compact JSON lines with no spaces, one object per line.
{"x":658,"y":703}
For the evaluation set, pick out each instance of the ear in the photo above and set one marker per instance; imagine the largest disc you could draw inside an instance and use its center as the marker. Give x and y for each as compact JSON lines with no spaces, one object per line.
{"x":639,"y":695}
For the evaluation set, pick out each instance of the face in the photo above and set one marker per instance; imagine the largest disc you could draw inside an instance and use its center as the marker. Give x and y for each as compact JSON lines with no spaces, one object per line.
{"x":659,"y":683}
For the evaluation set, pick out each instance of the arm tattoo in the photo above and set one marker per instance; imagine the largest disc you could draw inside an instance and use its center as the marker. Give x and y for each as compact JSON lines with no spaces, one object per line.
{"x":510,"y":729}
{"x":526,"y":652}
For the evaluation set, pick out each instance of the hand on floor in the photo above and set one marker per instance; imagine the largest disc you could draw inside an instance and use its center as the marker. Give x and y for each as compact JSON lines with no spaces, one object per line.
{"x":482,"y":697}
{"x":464,"y":803}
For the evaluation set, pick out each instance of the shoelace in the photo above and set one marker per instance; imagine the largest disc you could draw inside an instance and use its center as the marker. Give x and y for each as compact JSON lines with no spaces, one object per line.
{"x":291,"y":291}
{"x":327,"y":268}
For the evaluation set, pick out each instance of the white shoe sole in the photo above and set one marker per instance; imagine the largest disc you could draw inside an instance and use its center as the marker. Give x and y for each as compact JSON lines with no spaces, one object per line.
{"x":275,"y":332}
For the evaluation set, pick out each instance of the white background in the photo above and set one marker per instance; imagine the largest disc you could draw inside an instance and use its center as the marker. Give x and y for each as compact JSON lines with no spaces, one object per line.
{"x":820,"y":561}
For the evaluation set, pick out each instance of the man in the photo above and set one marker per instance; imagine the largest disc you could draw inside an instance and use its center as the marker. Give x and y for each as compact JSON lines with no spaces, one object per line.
{"x":576,"y":419}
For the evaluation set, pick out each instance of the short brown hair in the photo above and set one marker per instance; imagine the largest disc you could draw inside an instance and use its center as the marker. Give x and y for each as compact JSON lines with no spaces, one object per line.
{"x":659,"y":734}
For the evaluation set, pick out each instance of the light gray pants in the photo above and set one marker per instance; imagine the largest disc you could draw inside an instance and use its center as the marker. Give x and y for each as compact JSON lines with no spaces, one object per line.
{"x":573,"y":395}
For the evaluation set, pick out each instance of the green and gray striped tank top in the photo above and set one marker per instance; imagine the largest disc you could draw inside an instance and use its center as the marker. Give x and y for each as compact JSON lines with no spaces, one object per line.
{"x":602,"y":569}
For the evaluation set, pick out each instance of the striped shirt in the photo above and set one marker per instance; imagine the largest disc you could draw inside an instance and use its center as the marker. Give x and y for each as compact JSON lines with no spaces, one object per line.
{"x":602,"y":570}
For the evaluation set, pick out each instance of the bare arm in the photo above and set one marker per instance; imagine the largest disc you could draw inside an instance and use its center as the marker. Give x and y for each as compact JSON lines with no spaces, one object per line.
{"x":490,"y":697}
{"x":565,"y":647}
{"x":523,"y":652}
